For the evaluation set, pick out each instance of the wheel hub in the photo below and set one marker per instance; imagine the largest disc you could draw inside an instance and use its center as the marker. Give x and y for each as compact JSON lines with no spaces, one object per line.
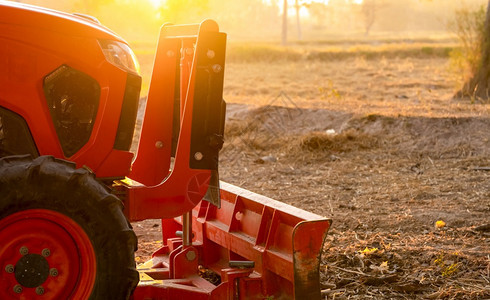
{"x":32,"y":270}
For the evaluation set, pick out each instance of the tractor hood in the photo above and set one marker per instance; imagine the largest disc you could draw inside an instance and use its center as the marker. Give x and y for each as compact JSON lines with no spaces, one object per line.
{"x":26,"y":15}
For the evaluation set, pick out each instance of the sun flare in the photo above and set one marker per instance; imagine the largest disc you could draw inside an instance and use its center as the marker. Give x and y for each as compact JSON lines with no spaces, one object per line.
{"x":156,"y":3}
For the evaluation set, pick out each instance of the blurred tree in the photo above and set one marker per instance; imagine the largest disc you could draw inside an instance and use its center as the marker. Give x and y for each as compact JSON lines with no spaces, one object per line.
{"x":368,"y":10}
{"x":297,"y":5}
{"x":318,"y":13}
{"x":284,"y":35}
{"x":478,"y":86}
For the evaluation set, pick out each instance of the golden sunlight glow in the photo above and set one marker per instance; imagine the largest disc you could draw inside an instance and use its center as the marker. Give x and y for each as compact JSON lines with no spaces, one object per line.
{"x":327,"y":2}
{"x":156,"y":3}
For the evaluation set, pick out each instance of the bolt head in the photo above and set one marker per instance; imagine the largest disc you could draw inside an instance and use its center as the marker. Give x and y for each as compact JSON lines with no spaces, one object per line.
{"x":210,"y":54}
{"x":24,"y":250}
{"x":159,"y":144}
{"x":39,"y":290}
{"x":170,"y":53}
{"x":198,"y":156}
{"x":17,"y":289}
{"x":217,"y":68}
{"x":53,"y":272}
{"x":9,"y":269}
{"x":190,"y":255}
{"x":189,"y":51}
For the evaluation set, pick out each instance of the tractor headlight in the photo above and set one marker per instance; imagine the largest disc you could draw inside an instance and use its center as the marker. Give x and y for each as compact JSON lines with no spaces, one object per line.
{"x":120,"y":55}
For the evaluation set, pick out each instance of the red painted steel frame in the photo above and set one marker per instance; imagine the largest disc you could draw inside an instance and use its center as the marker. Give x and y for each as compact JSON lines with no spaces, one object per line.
{"x":164,"y":193}
{"x":284,"y":242}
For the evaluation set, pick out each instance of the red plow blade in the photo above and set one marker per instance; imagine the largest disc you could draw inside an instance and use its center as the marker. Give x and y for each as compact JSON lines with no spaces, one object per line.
{"x":258,"y":246}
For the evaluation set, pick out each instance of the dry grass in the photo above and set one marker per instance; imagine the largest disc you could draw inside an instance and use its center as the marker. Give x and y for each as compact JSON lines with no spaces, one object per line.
{"x":384,"y":182}
{"x":349,"y":140}
{"x":379,"y":145}
{"x":273,"y":53}
{"x":312,"y":53}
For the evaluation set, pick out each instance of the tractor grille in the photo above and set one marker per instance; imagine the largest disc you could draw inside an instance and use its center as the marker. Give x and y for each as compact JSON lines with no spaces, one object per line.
{"x":129,"y":112}
{"x":73,"y":100}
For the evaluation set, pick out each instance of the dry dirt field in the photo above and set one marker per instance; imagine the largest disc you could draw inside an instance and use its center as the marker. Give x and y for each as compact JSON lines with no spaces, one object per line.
{"x":379,"y":146}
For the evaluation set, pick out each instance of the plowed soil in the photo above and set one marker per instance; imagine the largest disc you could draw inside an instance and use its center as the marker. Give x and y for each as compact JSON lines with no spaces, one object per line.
{"x":381,"y":148}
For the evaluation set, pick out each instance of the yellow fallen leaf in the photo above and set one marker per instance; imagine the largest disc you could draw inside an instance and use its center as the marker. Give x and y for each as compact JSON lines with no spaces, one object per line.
{"x":369,"y":250}
{"x":440,"y":224}
{"x":450,"y":270}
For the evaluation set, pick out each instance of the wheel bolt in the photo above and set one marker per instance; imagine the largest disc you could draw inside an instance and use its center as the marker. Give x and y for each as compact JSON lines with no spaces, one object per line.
{"x":24,"y":250}
{"x":53,"y":272}
{"x":39,"y":290}
{"x":18,"y":289}
{"x":9,"y":269}
{"x":46,"y":252}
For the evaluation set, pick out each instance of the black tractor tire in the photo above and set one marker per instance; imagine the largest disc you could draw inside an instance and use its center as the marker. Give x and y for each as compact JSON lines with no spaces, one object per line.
{"x":47,"y":184}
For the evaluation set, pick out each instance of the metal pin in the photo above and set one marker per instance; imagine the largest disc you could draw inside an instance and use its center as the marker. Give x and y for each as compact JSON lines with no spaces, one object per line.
{"x":241,"y":264}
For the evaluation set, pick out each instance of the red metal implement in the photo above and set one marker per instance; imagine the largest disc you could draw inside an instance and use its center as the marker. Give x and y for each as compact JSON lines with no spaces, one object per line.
{"x":284,"y":243}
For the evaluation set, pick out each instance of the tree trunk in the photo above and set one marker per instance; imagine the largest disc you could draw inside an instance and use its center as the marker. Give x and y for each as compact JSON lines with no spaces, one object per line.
{"x":298,"y":23}
{"x":368,"y":9}
{"x":478,"y":87}
{"x":285,"y":23}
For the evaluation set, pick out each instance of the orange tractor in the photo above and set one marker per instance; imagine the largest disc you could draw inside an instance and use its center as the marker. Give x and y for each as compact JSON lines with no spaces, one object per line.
{"x":69,"y":185}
